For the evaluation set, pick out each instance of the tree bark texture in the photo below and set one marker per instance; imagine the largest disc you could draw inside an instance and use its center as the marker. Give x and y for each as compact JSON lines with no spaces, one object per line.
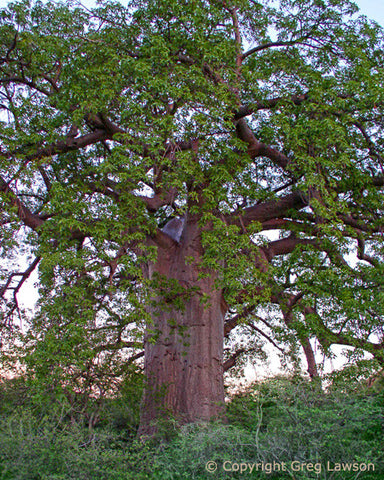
{"x":184,"y":344}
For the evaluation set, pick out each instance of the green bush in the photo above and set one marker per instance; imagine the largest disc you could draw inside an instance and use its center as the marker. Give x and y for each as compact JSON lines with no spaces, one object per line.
{"x":280,"y":420}
{"x":295,"y":420}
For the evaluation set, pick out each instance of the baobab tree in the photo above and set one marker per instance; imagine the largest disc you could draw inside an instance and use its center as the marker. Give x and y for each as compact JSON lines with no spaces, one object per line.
{"x":189,"y":168}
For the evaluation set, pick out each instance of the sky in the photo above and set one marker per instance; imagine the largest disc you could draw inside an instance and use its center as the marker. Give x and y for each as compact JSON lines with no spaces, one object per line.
{"x":372,"y":9}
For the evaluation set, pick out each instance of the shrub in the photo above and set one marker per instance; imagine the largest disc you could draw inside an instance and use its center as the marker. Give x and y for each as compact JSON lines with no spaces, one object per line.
{"x":280,"y":420}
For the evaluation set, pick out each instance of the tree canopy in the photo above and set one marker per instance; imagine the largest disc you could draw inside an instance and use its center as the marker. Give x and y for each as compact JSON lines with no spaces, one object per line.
{"x":251,"y":130}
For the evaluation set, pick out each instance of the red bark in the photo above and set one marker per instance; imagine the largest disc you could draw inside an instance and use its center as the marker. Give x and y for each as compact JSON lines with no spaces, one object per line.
{"x":184,"y":345}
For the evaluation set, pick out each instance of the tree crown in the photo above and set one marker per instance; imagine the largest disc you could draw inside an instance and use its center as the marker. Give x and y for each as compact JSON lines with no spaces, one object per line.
{"x":241,"y":117}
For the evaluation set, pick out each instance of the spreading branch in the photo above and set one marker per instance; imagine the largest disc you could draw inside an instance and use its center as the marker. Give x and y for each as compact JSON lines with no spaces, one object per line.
{"x":23,"y":212}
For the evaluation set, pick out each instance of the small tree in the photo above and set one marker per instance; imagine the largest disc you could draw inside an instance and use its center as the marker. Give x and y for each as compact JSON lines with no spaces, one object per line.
{"x":147,"y":153}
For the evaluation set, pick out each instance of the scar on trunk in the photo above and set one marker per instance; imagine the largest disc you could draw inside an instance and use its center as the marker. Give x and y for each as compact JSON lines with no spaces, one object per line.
{"x":174,"y":228}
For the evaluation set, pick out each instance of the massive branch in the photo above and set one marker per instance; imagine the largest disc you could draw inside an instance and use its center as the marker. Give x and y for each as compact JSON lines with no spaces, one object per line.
{"x":257,"y":148}
{"x":23,"y":212}
{"x":269,"y":210}
{"x":69,"y":144}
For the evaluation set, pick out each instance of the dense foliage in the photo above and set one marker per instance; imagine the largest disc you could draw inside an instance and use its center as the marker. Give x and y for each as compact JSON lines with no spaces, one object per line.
{"x":279,"y":420}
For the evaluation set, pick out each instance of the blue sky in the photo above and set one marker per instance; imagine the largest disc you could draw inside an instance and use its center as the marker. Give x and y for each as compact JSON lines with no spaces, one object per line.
{"x":373,"y":9}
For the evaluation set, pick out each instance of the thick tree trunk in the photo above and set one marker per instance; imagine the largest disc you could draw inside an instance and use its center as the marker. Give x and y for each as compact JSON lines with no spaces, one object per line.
{"x":184,"y":345}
